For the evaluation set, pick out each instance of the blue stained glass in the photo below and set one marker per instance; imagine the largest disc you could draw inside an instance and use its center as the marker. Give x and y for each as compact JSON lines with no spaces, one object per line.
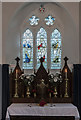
{"x":27,"y":50}
{"x":34,"y":20}
{"x":42,"y":46}
{"x":56,"y":49}
{"x":49,"y":20}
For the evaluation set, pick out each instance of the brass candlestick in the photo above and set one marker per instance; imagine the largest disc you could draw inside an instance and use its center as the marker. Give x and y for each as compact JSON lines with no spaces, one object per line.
{"x":49,"y":94}
{"x":34,"y":94}
{"x":16,"y":89}
{"x":28,"y":92}
{"x":55,"y":92}
{"x":66,"y":88}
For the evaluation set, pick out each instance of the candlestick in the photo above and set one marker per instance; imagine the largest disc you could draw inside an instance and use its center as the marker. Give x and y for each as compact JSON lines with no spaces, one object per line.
{"x":55,"y":92}
{"x":66,"y":88}
{"x":16,"y":89}
{"x":28,"y":92}
{"x":66,"y":84}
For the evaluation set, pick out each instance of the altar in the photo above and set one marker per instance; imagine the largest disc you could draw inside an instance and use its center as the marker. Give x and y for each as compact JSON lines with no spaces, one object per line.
{"x":49,"y":110}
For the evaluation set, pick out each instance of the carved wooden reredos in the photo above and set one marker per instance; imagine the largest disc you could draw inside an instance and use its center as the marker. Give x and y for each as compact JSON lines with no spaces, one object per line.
{"x":41,"y":73}
{"x":46,"y":86}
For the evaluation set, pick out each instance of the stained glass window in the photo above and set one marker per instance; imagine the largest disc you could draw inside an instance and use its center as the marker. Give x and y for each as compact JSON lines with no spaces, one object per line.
{"x":27,"y":50}
{"x":42,"y":46}
{"x":49,"y":20}
{"x":34,"y":20}
{"x":56,"y":49}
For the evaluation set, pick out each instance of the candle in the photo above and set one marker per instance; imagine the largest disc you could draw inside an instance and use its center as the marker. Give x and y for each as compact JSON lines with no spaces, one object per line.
{"x":66,"y":73}
{"x":48,"y":71}
{"x":16,"y":74}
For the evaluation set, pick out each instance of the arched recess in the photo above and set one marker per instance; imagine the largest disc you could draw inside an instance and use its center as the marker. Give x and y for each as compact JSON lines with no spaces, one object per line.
{"x":63,"y":17}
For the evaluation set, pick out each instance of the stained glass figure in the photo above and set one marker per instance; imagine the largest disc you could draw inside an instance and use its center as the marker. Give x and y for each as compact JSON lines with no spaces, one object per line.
{"x":42,"y":47}
{"x":42,"y":9}
{"x":49,"y":20}
{"x":34,"y":20}
{"x":56,"y":49}
{"x":27,"y":50}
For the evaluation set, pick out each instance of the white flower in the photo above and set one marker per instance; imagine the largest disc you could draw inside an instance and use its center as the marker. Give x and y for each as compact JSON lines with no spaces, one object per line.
{"x":28,"y":82}
{"x":51,"y":76}
{"x":55,"y":79}
{"x":28,"y":77}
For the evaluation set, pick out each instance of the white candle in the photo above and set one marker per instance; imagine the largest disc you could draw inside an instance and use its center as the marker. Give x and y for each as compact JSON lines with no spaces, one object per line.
{"x":66,"y":73}
{"x":16,"y":74}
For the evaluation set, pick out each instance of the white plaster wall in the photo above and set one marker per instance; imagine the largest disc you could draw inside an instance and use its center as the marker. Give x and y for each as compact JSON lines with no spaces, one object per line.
{"x":0,"y":33}
{"x":73,"y":10}
{"x":15,"y":13}
{"x":8,"y":10}
{"x":80,"y":31}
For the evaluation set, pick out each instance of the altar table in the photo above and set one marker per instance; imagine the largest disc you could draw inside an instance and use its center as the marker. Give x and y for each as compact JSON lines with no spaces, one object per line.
{"x":33,"y":109}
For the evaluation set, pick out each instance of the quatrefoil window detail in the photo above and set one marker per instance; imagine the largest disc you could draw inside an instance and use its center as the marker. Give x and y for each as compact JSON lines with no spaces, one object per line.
{"x":34,"y":20}
{"x":49,"y":20}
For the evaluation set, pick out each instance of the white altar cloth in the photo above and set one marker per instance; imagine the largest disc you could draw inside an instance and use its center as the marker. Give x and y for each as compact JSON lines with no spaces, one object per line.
{"x":33,"y":109}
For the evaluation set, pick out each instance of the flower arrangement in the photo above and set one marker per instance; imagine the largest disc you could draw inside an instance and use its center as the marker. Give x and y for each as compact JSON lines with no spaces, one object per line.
{"x":55,"y":79}
{"x":27,"y":79}
{"x":42,"y":103}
